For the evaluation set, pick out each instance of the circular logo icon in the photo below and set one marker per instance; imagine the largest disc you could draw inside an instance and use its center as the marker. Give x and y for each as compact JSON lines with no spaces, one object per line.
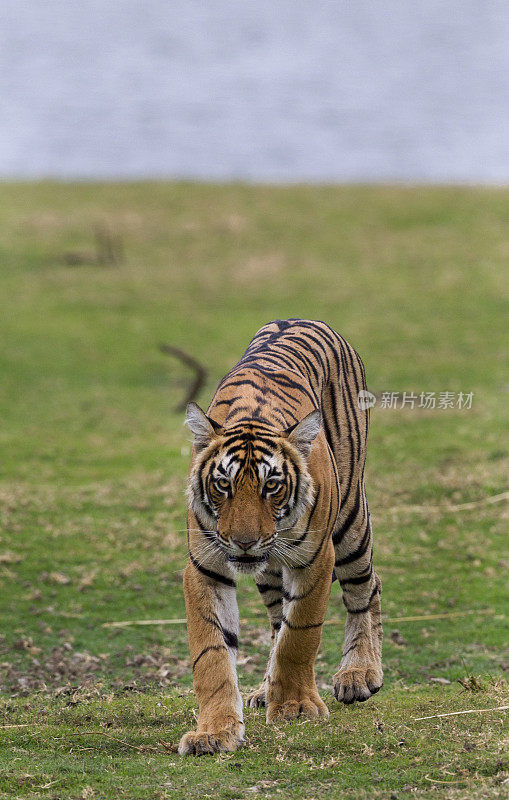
{"x":365,"y":399}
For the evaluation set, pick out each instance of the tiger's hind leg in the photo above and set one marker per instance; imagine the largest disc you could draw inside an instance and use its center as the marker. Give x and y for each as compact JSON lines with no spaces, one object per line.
{"x":270,"y":586}
{"x":346,"y":426}
{"x":360,"y":672}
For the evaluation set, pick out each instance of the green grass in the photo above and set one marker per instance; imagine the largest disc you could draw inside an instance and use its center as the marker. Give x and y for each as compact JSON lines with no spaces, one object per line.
{"x":93,"y":463}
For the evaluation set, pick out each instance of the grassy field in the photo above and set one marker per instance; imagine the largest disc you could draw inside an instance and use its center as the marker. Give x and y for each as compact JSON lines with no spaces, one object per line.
{"x":93,"y":460}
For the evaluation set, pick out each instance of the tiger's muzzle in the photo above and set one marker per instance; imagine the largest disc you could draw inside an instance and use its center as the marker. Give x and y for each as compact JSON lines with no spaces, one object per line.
{"x":245,"y":553}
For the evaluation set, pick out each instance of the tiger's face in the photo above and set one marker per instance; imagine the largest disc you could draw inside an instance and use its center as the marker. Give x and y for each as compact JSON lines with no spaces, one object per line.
{"x":249,"y":484}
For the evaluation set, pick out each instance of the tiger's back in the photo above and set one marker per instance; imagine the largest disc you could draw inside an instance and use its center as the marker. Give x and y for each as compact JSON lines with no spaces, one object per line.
{"x":289,"y":368}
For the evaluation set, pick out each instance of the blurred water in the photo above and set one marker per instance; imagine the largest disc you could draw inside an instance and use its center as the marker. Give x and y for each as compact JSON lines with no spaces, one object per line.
{"x":255,"y":89}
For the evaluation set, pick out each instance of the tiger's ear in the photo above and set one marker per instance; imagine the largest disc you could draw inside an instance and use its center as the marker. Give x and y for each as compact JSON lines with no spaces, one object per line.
{"x":305,"y":432}
{"x":203,"y":427}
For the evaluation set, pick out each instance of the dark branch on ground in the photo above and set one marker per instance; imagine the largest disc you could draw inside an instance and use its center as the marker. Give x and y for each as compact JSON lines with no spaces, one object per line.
{"x":199,"y":370}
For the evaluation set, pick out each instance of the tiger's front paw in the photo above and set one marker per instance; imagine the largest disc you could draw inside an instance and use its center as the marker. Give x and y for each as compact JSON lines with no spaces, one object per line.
{"x":310,"y":707}
{"x":357,"y":683}
{"x":202,"y":744}
{"x":256,"y":699}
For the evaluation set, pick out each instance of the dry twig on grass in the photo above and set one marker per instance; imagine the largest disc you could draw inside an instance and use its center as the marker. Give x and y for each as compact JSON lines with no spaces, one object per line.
{"x":171,"y":748}
{"x":471,"y":683}
{"x":182,"y":621}
{"x":19,"y":725}
{"x":129,"y":622}
{"x":456,"y":713}
{"x":189,"y":361}
{"x":495,"y":498}
{"x":140,"y":748}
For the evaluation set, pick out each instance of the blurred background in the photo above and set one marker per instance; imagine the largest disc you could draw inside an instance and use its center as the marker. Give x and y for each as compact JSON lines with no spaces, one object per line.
{"x":375,"y":90}
{"x":182,"y":172}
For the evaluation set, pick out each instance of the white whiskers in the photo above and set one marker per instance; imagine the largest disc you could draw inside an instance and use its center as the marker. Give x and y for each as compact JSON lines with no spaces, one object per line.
{"x":287,"y":550}
{"x":202,"y":551}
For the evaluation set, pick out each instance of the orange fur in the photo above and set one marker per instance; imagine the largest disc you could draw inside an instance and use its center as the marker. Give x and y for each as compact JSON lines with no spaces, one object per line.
{"x":276,"y":488}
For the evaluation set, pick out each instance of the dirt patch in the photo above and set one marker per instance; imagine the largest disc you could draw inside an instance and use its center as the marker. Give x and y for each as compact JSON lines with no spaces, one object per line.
{"x":65,"y":668}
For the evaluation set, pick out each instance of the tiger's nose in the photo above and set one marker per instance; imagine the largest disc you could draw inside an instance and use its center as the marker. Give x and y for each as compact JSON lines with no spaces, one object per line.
{"x":244,"y":544}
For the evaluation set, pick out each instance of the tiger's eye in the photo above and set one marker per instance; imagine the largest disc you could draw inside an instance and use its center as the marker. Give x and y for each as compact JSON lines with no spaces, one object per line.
{"x":272,"y":483}
{"x":222,"y":483}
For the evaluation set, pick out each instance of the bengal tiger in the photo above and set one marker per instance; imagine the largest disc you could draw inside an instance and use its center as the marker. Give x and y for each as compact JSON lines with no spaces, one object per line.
{"x":276,"y":490}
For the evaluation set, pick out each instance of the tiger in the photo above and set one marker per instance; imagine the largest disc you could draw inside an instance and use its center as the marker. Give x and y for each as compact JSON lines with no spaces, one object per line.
{"x":276,"y":491}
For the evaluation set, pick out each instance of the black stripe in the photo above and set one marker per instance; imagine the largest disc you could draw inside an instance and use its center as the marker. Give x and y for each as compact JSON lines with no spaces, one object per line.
{"x":291,"y":597}
{"x":256,"y":425}
{"x":214,"y":576}
{"x":338,"y":534}
{"x":300,"y":357}
{"x":225,"y":402}
{"x":297,"y":542}
{"x":355,"y":554}
{"x":327,"y":430}
{"x":321,"y":348}
{"x":270,"y":357}
{"x":349,"y":436}
{"x":282,"y":417}
{"x":303,"y":345}
{"x":237,"y":410}
{"x":364,"y":608}
{"x":294,"y":386}
{"x":245,"y":382}
{"x":212,"y":621}
{"x":206,"y":650}
{"x":254,"y":415}
{"x":267,"y":587}
{"x":355,"y":415}
{"x":273,"y":573}
{"x":357,"y":581}
{"x":353,"y":645}
{"x":217,"y":690}
{"x":230,"y":638}
{"x":301,"y":627}
{"x":315,"y":554}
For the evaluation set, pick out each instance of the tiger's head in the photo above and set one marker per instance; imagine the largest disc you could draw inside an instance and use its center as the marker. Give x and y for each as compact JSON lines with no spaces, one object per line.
{"x":249,"y":483}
